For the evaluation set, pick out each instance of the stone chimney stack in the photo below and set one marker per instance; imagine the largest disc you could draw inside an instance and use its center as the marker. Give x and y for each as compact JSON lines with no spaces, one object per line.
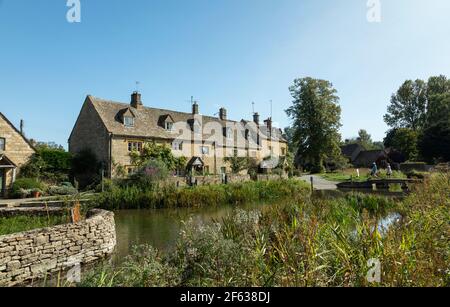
{"x":223,"y":114}
{"x":268,"y":123}
{"x":195,"y":108}
{"x":136,"y":101}
{"x":256,"y":118}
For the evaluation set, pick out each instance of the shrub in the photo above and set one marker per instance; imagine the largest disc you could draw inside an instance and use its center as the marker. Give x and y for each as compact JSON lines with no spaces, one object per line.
{"x":23,"y":186}
{"x":62,"y":190}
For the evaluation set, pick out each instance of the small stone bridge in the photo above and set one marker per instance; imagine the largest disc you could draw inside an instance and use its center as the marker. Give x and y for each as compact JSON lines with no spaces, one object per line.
{"x":380,"y":184}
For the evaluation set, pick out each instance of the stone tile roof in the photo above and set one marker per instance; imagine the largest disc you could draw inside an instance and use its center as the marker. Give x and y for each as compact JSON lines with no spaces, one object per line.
{"x":148,"y":120}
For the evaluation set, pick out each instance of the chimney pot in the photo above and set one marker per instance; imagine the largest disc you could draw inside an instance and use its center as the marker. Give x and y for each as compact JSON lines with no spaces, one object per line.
{"x":195,"y":108}
{"x":256,"y":118}
{"x":136,"y":101}
{"x":223,"y":114}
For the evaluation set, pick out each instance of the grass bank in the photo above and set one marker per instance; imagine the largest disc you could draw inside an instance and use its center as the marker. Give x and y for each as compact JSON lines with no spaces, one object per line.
{"x":364,"y":176}
{"x":310,"y":242}
{"x":168,"y":196}
{"x":10,"y":225}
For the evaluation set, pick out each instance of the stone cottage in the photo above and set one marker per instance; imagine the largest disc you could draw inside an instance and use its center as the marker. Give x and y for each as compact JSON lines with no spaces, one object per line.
{"x":113,"y":130}
{"x":15,"y":151}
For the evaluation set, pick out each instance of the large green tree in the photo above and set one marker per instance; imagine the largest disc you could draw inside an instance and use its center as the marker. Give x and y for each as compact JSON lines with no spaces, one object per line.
{"x":316,"y":118}
{"x":408,"y":106}
{"x":434,"y":142}
{"x":404,"y":140}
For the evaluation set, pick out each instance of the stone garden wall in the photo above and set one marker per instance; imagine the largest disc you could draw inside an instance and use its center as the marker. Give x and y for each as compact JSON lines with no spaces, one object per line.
{"x":31,"y":255}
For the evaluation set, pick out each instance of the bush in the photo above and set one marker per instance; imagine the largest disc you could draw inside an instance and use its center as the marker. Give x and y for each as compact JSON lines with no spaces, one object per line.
{"x":22,"y":187}
{"x":62,"y":190}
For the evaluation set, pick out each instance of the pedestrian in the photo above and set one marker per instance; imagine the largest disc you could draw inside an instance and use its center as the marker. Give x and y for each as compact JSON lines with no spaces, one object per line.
{"x":389,"y":171}
{"x":374,"y":170}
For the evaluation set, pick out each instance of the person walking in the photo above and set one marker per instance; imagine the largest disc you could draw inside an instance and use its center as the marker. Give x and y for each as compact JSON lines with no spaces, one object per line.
{"x":389,"y":171}
{"x":374,"y":170}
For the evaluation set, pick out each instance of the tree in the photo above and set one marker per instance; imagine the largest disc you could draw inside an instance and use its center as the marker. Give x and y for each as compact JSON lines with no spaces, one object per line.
{"x":152,"y":151}
{"x":404,"y":140}
{"x":434,"y":144}
{"x":50,"y":164}
{"x":316,"y":118}
{"x":237,"y":164}
{"x":437,"y":86}
{"x":289,"y":136}
{"x":408,"y":106}
{"x":365,"y":139}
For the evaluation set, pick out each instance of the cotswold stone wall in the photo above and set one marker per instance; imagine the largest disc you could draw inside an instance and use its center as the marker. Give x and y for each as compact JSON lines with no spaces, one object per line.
{"x":31,"y":255}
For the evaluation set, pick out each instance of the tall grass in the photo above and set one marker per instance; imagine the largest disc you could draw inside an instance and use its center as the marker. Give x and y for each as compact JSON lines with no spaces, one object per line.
{"x":10,"y":225}
{"x":311,"y":242}
{"x":168,"y":196}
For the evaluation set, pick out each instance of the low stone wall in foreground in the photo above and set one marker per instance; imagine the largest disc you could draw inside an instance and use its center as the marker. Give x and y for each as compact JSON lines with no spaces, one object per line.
{"x":33,"y":254}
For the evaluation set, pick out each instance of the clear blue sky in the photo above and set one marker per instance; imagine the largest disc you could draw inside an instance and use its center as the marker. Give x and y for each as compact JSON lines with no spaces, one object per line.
{"x":224,"y":52}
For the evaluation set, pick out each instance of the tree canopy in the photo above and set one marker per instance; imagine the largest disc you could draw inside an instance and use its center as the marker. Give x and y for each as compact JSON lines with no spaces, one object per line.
{"x":316,"y":118}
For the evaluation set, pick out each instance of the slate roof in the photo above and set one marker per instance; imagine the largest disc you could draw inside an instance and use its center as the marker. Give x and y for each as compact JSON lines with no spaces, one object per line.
{"x":366,"y":158}
{"x":349,"y":150}
{"x":148,"y":121}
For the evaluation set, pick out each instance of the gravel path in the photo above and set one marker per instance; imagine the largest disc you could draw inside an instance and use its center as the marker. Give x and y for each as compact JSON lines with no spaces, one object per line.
{"x":320,"y":183}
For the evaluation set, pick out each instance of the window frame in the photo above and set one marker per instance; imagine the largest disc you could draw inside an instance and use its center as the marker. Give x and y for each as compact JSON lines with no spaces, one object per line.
{"x":169,"y":126}
{"x":135,"y":146}
{"x":204,"y":152}
{"x":2,"y":144}
{"x":126,"y":123}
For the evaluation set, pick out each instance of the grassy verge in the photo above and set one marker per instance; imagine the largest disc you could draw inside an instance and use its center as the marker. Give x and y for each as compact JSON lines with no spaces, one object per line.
{"x":133,"y":197}
{"x":347,"y":175}
{"x":12,"y":225}
{"x":310,"y":242}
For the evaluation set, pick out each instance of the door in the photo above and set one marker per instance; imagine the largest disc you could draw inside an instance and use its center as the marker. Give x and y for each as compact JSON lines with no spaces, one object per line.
{"x":2,"y":183}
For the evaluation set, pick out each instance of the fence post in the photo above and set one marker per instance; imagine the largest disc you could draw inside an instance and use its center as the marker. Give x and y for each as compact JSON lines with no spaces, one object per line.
{"x":312,"y":184}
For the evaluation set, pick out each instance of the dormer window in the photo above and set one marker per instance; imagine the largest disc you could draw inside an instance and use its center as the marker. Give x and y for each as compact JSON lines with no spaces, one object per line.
{"x":169,"y":126}
{"x":128,"y":121}
{"x":229,"y":133}
{"x":2,"y":144}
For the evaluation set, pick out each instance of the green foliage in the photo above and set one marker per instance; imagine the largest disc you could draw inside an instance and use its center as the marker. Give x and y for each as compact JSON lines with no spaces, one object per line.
{"x":86,"y":168}
{"x":17,"y":224}
{"x":237,"y":164}
{"x":22,"y":185}
{"x":307,"y":243}
{"x":168,"y":196}
{"x":151,"y":174}
{"x":434,"y":142}
{"x":316,"y":121}
{"x":62,"y":190}
{"x":404,"y":140}
{"x":51,"y":165}
{"x":408,"y":106}
{"x":162,"y":153}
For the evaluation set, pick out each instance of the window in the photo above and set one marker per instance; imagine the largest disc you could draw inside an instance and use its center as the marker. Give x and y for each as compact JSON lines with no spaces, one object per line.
{"x":135,"y":146}
{"x":128,"y":121}
{"x":204,"y":150}
{"x":283,"y":151}
{"x":169,"y":126}
{"x":177,"y":146}
{"x":229,"y":133}
{"x":2,"y":144}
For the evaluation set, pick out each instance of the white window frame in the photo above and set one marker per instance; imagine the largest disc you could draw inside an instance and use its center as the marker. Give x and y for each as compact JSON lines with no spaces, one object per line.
{"x":3,"y":144}
{"x":204,"y":150}
{"x":128,"y":121}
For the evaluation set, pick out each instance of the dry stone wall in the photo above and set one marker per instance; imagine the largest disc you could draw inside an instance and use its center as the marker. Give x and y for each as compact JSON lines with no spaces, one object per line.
{"x":31,"y":255}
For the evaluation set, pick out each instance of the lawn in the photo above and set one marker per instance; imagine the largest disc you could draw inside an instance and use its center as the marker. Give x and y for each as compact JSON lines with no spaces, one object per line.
{"x":349,"y":174}
{"x":10,"y":225}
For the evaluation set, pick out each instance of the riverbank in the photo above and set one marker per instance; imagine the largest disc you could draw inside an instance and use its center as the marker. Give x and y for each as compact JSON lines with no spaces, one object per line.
{"x":308,"y":242}
{"x":169,"y":196}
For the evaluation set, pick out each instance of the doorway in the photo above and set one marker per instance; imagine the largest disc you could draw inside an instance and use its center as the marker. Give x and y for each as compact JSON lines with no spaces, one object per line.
{"x":2,"y":183}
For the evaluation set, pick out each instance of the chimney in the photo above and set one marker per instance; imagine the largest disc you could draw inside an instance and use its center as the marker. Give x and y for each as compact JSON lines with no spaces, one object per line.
{"x":268,"y":123}
{"x":21,"y":127}
{"x":223,"y":114}
{"x":136,"y":101}
{"x":256,"y":118}
{"x":195,"y":109}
